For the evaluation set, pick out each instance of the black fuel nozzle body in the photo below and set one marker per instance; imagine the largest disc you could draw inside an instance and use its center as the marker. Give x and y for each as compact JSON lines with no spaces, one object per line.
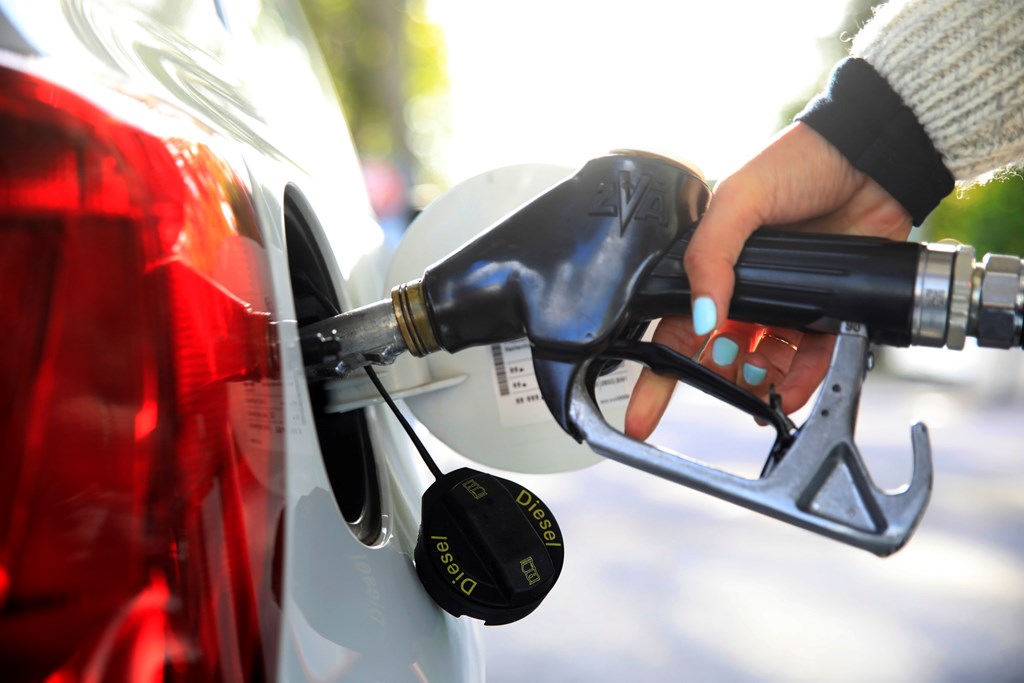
{"x":806,"y":281}
{"x":563,"y":269}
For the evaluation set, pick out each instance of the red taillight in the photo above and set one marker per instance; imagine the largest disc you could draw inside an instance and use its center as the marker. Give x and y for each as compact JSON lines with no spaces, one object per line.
{"x":140,"y":416}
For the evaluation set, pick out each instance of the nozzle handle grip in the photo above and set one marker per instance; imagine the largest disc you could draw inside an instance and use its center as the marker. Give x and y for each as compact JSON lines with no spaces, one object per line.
{"x":805,"y":281}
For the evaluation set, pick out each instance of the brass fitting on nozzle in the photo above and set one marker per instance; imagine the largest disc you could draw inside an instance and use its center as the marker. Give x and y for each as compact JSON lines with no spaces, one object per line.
{"x":410,"y":306}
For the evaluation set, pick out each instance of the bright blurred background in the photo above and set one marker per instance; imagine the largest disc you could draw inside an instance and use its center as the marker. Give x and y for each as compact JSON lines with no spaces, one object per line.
{"x":662,"y":584}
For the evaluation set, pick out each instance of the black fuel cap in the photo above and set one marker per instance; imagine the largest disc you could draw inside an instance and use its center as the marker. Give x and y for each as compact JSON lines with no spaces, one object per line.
{"x":488,"y":548}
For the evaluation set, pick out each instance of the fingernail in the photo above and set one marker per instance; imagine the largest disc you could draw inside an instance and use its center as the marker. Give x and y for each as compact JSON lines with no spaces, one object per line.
{"x":724,"y":351}
{"x":753,"y":375}
{"x":705,"y":315}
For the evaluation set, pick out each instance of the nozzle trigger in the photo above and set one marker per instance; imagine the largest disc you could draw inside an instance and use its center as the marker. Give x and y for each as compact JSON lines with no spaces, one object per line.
{"x":815,"y":478}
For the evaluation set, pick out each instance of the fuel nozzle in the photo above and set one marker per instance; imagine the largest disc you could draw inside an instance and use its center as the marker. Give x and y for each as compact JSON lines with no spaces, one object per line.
{"x":580,"y":269}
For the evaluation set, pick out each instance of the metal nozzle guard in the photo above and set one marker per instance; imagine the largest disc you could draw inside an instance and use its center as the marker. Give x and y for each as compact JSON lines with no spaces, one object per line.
{"x":820,"y":483}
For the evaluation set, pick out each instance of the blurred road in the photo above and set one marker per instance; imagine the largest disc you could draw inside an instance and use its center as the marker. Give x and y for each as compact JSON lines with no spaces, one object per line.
{"x":664,"y":584}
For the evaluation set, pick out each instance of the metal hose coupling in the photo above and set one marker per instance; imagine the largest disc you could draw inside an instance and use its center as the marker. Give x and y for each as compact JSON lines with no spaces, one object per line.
{"x":956,"y":297}
{"x":997,"y":301}
{"x":411,"y":313}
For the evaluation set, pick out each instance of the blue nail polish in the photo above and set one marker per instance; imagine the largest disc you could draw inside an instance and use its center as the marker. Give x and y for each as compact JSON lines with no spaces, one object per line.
{"x":724,"y":351}
{"x":753,"y":375}
{"x":705,"y":315}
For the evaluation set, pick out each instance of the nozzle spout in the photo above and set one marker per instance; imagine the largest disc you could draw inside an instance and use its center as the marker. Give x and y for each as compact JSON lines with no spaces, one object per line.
{"x":340,"y":344}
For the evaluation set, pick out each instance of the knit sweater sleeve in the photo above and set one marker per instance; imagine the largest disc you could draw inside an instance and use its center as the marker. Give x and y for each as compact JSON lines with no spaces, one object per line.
{"x":959,"y":66}
{"x":868,"y":122}
{"x":933,"y":91}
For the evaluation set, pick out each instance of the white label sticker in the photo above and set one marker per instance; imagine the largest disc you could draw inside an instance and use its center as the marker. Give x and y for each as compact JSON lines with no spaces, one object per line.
{"x":519,"y":398}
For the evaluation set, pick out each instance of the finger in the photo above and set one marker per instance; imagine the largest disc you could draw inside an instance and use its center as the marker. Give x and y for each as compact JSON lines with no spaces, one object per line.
{"x":647,"y":404}
{"x":721,"y":354}
{"x":779,"y":346}
{"x":765,"y":366}
{"x":756,"y":373}
{"x":728,"y":352}
{"x":652,"y":392}
{"x":728,"y":346}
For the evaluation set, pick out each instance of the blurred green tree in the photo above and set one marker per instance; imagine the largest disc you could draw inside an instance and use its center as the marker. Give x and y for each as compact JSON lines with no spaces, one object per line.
{"x":387,"y":61}
{"x":989,"y":216}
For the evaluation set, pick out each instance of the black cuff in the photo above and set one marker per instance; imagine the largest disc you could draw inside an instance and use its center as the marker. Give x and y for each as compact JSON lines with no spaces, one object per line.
{"x":868,"y":122}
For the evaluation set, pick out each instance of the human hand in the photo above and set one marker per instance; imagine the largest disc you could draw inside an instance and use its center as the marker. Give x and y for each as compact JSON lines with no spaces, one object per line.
{"x":799,"y":181}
